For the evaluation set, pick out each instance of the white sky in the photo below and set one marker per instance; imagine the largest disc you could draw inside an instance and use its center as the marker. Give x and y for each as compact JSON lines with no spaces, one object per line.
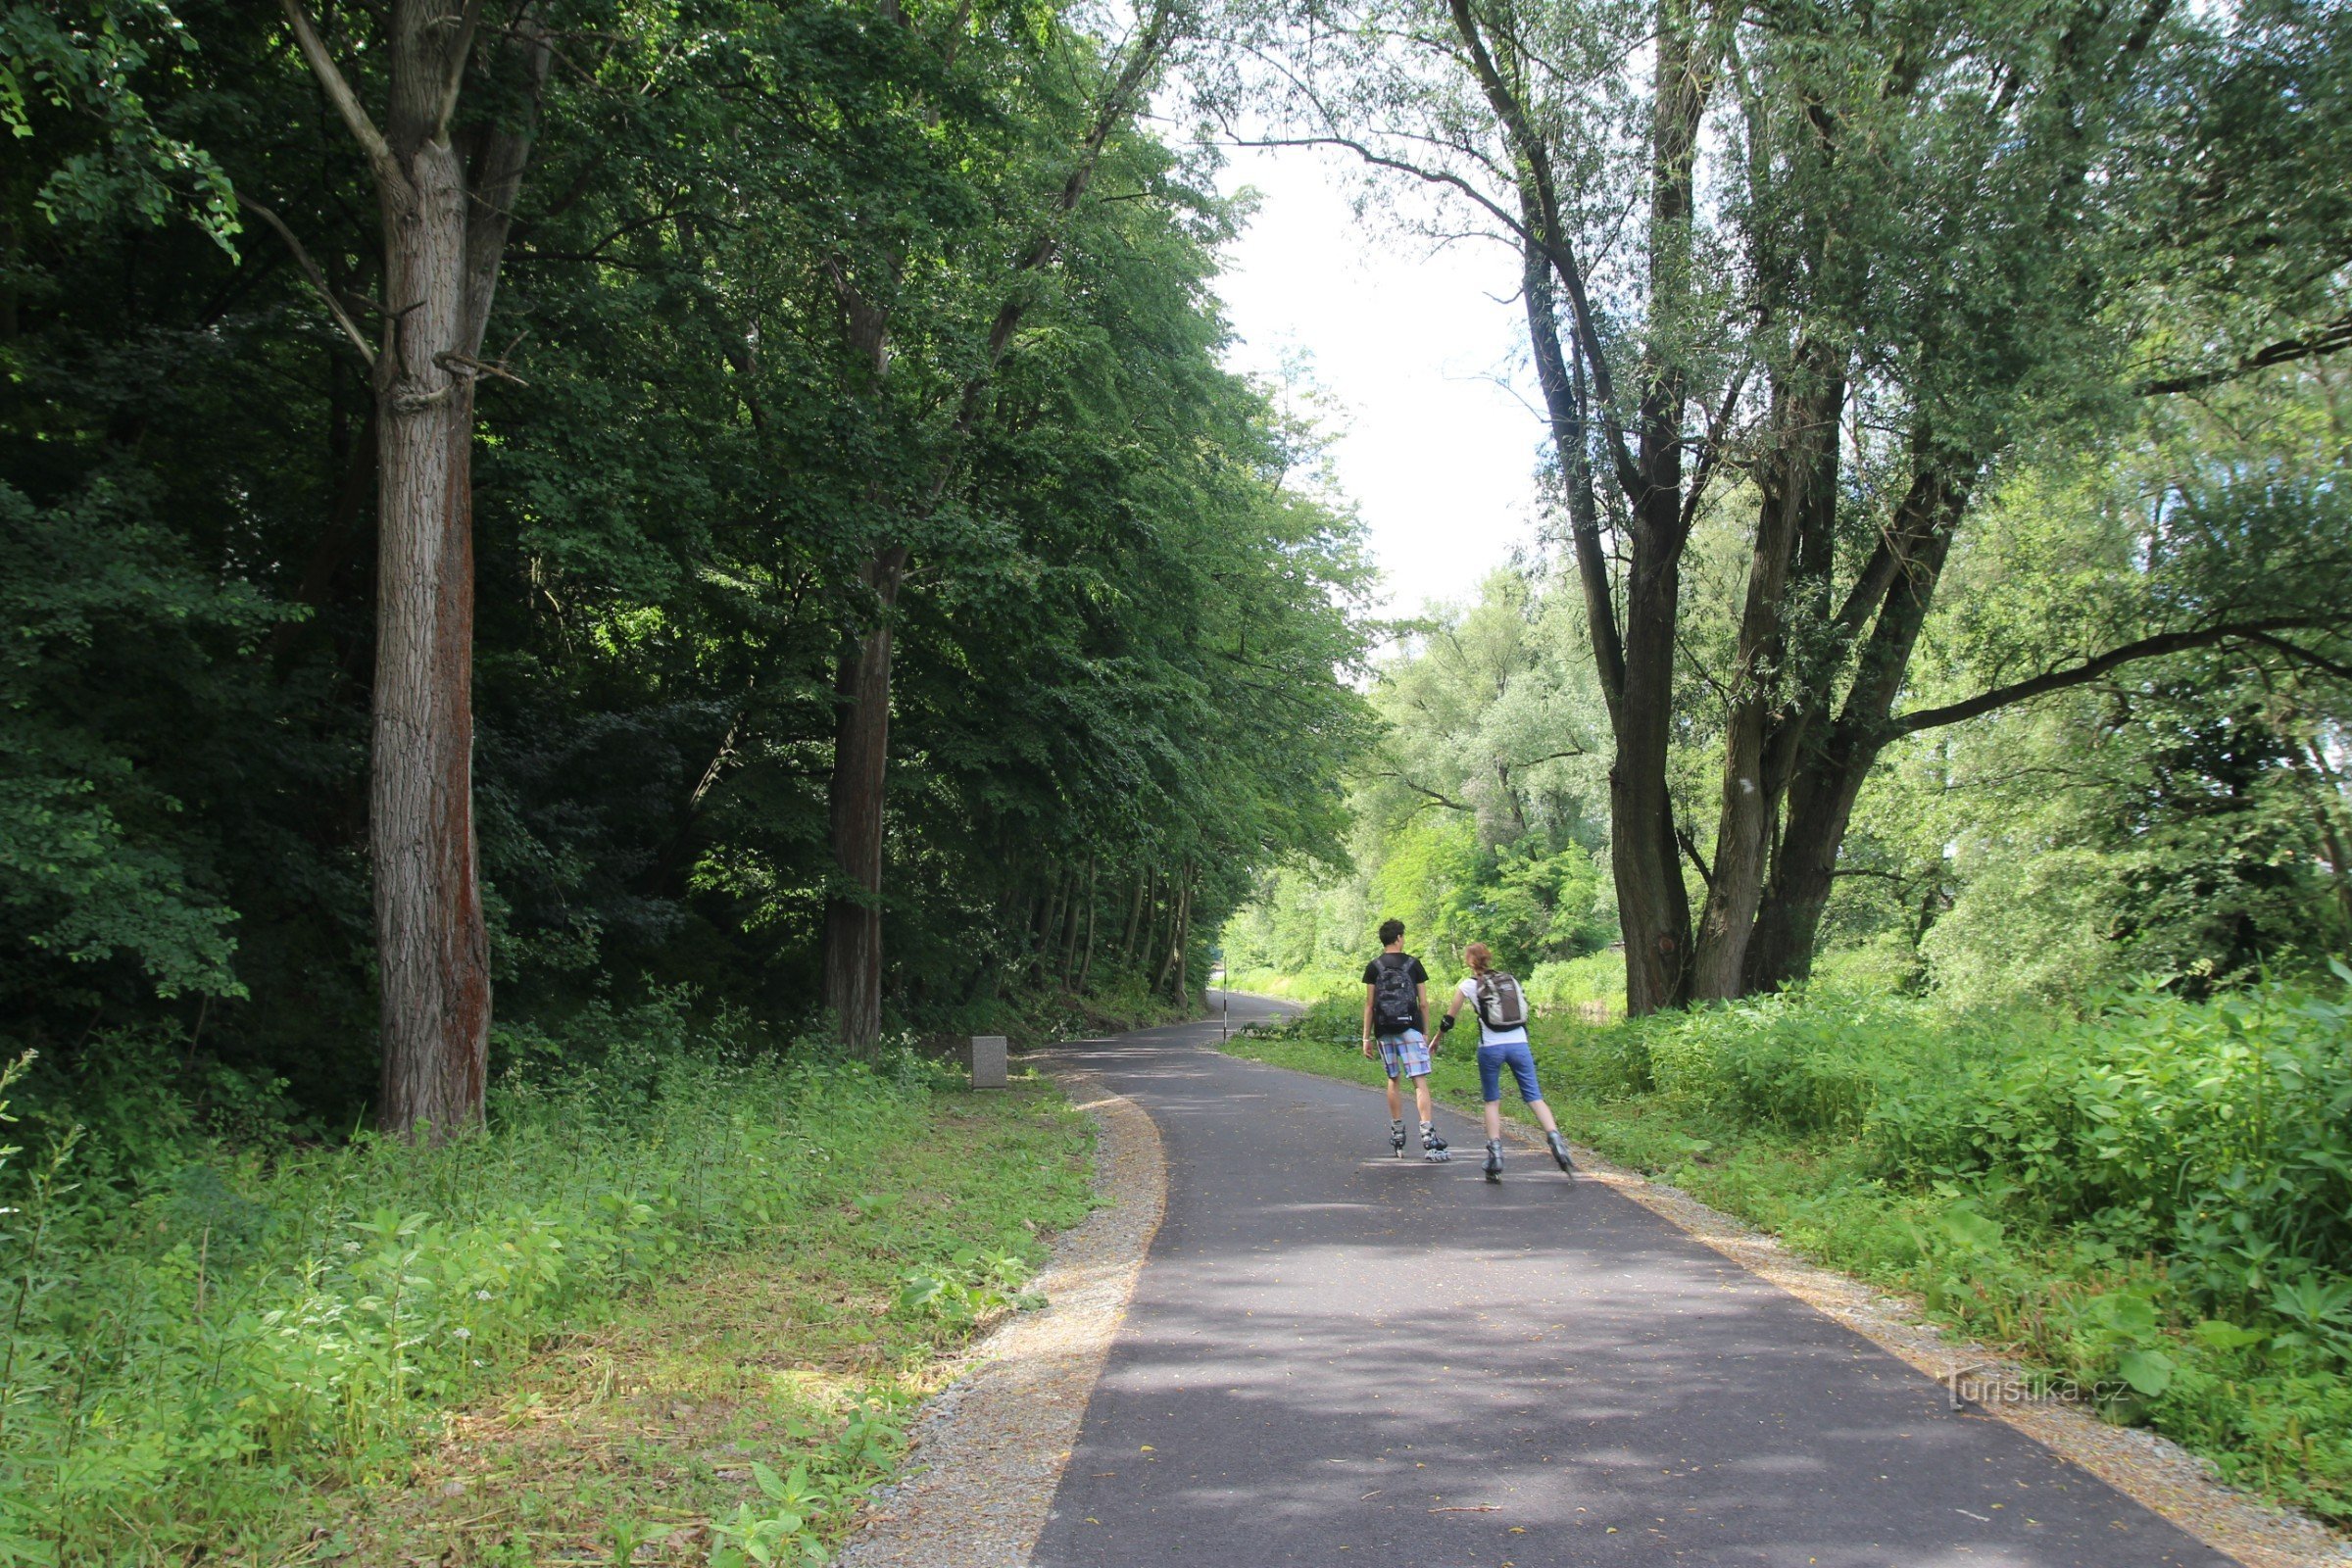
{"x":1408,"y":345}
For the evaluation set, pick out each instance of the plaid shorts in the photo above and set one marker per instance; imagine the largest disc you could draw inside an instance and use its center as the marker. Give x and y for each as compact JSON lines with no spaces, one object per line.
{"x":1406,"y":1054}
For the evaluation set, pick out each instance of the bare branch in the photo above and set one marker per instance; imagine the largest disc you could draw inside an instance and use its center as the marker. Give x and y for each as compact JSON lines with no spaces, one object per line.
{"x":467,"y":364}
{"x":460,"y":55}
{"x":338,"y":92}
{"x":317,"y":280}
{"x":1682,"y":836}
{"x":1433,"y":176}
{"x":1447,"y":801}
{"x":1531,"y":148}
{"x":2301,"y":654}
{"x":1712,"y":454}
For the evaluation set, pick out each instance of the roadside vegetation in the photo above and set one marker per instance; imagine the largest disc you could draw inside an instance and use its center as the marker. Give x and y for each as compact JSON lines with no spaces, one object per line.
{"x":679,"y":1292}
{"x":2149,"y":1197}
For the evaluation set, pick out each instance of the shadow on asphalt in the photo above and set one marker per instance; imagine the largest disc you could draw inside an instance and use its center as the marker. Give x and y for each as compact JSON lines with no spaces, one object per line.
{"x":1336,"y":1357}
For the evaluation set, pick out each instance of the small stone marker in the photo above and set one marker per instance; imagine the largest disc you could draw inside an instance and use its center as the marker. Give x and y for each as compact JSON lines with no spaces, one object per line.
{"x":987,"y":1058}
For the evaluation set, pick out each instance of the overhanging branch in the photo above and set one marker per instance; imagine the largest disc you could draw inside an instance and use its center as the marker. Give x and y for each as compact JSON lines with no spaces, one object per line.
{"x":317,"y":280}
{"x":2091,"y":670}
{"x":1447,"y":802}
{"x":337,"y":88}
{"x":2335,"y":336}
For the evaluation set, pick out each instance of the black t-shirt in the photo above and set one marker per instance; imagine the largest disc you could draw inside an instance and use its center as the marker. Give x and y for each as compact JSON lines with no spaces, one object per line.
{"x":1413,"y":967}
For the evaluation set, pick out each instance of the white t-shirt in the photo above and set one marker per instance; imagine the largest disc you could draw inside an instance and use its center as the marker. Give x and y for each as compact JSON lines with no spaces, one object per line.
{"x":1468,"y":991}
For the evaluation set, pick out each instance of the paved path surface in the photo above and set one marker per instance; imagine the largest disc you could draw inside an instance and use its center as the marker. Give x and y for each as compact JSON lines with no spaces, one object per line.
{"x":1338,"y":1357}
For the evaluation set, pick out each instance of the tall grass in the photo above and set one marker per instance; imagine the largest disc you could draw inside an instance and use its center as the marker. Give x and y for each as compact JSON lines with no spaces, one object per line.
{"x":184,"y":1354}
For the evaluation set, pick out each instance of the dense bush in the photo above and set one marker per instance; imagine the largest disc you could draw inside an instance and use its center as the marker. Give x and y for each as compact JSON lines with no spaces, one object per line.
{"x":183,"y":1346}
{"x":2219,"y":1134}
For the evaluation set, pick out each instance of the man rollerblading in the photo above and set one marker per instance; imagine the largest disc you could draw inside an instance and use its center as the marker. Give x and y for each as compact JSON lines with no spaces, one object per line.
{"x":1395,"y":1017}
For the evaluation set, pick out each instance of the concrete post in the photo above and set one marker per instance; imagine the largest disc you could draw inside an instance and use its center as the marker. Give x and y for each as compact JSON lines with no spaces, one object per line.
{"x":986,"y":1058}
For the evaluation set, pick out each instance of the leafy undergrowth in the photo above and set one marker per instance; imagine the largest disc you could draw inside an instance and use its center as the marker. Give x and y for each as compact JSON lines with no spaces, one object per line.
{"x":2151,"y":1202}
{"x":672,"y":1307}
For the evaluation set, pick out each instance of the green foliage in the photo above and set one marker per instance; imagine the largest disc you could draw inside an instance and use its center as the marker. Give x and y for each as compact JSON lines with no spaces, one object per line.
{"x":1120,"y":657}
{"x":178,"y":1355}
{"x":1477,"y":819}
{"x":69,"y":74}
{"x":801,"y":1508}
{"x":973,"y":1285}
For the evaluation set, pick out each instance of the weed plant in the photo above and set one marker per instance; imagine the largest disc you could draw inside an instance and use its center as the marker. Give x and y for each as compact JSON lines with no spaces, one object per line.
{"x":187,"y":1354}
{"x":2151,"y":1198}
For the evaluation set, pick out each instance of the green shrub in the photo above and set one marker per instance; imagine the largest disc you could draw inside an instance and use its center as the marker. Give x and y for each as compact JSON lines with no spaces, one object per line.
{"x":1593,"y":984}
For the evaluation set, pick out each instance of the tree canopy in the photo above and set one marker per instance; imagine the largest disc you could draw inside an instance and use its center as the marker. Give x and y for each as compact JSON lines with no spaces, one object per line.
{"x":1815,"y":295}
{"x":1128,"y":599}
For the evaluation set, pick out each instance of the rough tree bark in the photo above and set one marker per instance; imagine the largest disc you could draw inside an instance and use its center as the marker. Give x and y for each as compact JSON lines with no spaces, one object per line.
{"x":1794,"y":527}
{"x":1828,"y":777}
{"x":446,"y":200}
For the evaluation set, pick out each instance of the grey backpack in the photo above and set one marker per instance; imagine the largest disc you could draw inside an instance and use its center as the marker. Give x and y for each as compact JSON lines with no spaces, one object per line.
{"x":1501,"y":1005}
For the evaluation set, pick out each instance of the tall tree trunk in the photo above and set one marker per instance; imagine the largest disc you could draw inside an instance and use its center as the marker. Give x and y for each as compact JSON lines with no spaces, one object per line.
{"x":1086,"y":953}
{"x":1180,"y":914}
{"x":854,"y":797}
{"x":1139,"y":958}
{"x":1085,"y":962}
{"x":1135,"y":916}
{"x":1799,"y":480}
{"x":447,"y":201}
{"x":853,"y":932}
{"x":1634,"y":662}
{"x":1829,"y":778}
{"x":1049,"y":927}
{"x":1653,"y":907}
{"x":1184,"y":944}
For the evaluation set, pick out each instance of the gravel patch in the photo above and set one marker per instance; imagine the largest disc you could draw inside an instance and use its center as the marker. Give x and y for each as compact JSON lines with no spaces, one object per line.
{"x":2152,"y":1470}
{"x":989,"y":1451}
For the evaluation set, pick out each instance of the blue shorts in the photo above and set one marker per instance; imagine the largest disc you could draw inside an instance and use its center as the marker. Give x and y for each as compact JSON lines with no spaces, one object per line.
{"x":1492,"y":1059}
{"x":1406,"y":1054}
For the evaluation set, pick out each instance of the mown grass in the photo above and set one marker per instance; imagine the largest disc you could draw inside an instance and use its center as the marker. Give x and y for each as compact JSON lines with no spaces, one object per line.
{"x":2152,"y":1201}
{"x":672,"y":1307}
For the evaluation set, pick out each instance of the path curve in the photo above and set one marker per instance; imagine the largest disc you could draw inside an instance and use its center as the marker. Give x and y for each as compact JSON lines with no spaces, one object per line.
{"x":1335,"y":1356}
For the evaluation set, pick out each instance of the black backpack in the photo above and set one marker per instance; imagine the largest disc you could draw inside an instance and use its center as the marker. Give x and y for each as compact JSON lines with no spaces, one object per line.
{"x":1394,"y":994}
{"x":1501,"y":1005}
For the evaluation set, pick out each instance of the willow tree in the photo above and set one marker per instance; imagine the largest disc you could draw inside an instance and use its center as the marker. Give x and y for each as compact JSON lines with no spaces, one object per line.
{"x":1826,"y":265}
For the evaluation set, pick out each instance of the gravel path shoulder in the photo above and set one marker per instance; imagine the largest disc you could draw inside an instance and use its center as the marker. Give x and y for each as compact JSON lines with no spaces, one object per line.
{"x":989,"y":1451}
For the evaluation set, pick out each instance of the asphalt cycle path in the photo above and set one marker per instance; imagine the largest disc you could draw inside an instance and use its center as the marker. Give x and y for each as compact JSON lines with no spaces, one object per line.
{"x":1338,"y":1356}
